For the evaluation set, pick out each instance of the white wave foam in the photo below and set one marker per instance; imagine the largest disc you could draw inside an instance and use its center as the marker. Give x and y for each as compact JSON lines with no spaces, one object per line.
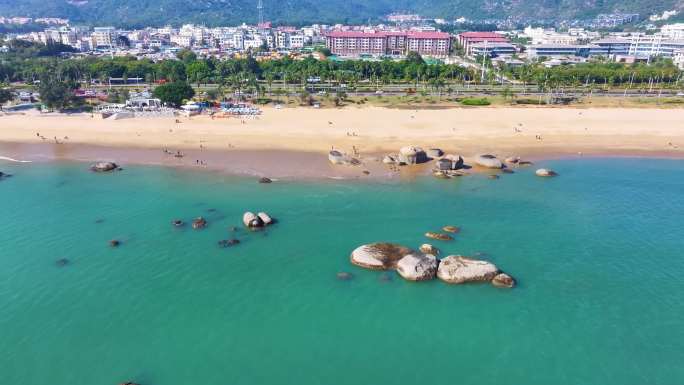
{"x":14,"y":160}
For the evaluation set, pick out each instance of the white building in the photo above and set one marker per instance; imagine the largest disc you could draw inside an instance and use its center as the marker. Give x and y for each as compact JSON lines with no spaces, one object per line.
{"x":673,"y":31}
{"x":104,"y":37}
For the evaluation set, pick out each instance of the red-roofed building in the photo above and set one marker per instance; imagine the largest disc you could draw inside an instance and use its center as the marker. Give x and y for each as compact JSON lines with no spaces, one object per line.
{"x":355,"y":43}
{"x":467,"y":39}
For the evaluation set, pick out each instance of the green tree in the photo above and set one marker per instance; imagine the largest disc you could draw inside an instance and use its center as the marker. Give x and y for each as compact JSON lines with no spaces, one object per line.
{"x":174,"y":93}
{"x":56,"y":94}
{"x":198,"y":71}
{"x":5,"y":96}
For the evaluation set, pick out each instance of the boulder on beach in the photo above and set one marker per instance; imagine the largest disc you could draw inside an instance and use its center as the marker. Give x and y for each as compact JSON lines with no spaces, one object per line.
{"x":434,"y":153}
{"x":104,"y":167}
{"x":390,"y":159}
{"x":503,"y":280}
{"x":379,"y":256}
{"x":438,"y":236}
{"x":199,"y":223}
{"x":488,"y":161}
{"x":339,"y":158}
{"x":545,"y":172}
{"x":512,"y":159}
{"x":251,"y":220}
{"x":412,"y":155}
{"x":427,"y":248}
{"x":458,"y":269}
{"x":417,"y":267}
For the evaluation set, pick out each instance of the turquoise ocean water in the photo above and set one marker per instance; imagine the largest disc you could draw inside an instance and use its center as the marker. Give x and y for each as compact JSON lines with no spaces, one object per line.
{"x":597,"y":253}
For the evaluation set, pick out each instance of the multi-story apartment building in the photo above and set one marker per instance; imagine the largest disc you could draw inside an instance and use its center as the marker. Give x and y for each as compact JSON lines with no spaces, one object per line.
{"x":355,"y":43}
{"x":467,"y":39}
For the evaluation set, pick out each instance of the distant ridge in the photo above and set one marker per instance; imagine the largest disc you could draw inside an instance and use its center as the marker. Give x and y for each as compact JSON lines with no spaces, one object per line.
{"x":137,"y":13}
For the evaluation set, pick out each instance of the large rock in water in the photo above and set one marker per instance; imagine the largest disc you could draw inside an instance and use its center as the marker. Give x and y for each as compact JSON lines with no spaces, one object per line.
{"x":417,"y":267}
{"x":488,"y":161}
{"x":412,"y":155}
{"x":265,"y":218}
{"x":503,"y":280}
{"x":379,"y":256}
{"x":104,"y":167}
{"x":545,"y":172}
{"x":458,"y":269}
{"x":251,"y":220}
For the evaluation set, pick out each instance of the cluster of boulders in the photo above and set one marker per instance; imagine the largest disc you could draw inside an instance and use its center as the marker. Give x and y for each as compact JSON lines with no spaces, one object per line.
{"x":410,"y":155}
{"x":104,"y":167}
{"x":424,"y":265}
{"x":256,"y":221}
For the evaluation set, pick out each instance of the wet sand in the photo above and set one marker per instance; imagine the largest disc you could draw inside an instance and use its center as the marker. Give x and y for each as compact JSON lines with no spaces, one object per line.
{"x":293,"y":142}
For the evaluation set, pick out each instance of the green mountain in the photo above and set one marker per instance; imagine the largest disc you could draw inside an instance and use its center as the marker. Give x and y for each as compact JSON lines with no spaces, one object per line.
{"x":133,"y":13}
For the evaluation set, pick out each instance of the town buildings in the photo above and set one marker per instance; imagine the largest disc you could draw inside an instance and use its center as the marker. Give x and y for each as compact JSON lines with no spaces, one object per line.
{"x":467,"y":39}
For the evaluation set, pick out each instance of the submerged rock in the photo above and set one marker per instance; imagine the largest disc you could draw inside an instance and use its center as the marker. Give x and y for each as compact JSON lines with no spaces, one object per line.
{"x":545,"y":172}
{"x":417,"y":267}
{"x":265,"y":180}
{"x":114,"y":243}
{"x":199,"y":223}
{"x":62,"y":262}
{"x":427,"y":248}
{"x":451,"y":229}
{"x":438,"y":236}
{"x":177,"y":222}
{"x":503,"y":280}
{"x":458,"y":269}
{"x":379,"y":256}
{"x":493,"y":176}
{"x":385,"y":277}
{"x":4,"y":175}
{"x":104,"y":167}
{"x":228,"y":242}
{"x":488,"y":161}
{"x":344,"y":276}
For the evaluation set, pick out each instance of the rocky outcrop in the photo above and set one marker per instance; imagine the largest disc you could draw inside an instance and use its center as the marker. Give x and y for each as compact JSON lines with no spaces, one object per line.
{"x":253,"y":221}
{"x":457,"y":269}
{"x":104,"y":167}
{"x":265,"y":180}
{"x":451,"y":229}
{"x":503,"y":280}
{"x":265,"y":218}
{"x":438,"y":236}
{"x":417,"y":267}
{"x":427,"y":248}
{"x":412,"y":155}
{"x":488,"y":161}
{"x":199,"y":223}
{"x":379,"y":256}
{"x":545,"y":172}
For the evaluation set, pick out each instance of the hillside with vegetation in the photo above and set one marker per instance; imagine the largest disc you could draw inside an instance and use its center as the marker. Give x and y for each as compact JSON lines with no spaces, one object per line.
{"x":126,"y":13}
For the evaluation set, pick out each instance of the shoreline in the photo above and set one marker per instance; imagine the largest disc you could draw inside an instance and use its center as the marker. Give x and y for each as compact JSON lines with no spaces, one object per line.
{"x":277,"y":165}
{"x":293,"y":143}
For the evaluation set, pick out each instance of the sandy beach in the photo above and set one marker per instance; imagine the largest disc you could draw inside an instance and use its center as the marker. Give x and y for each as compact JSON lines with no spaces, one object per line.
{"x":294,"y":141}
